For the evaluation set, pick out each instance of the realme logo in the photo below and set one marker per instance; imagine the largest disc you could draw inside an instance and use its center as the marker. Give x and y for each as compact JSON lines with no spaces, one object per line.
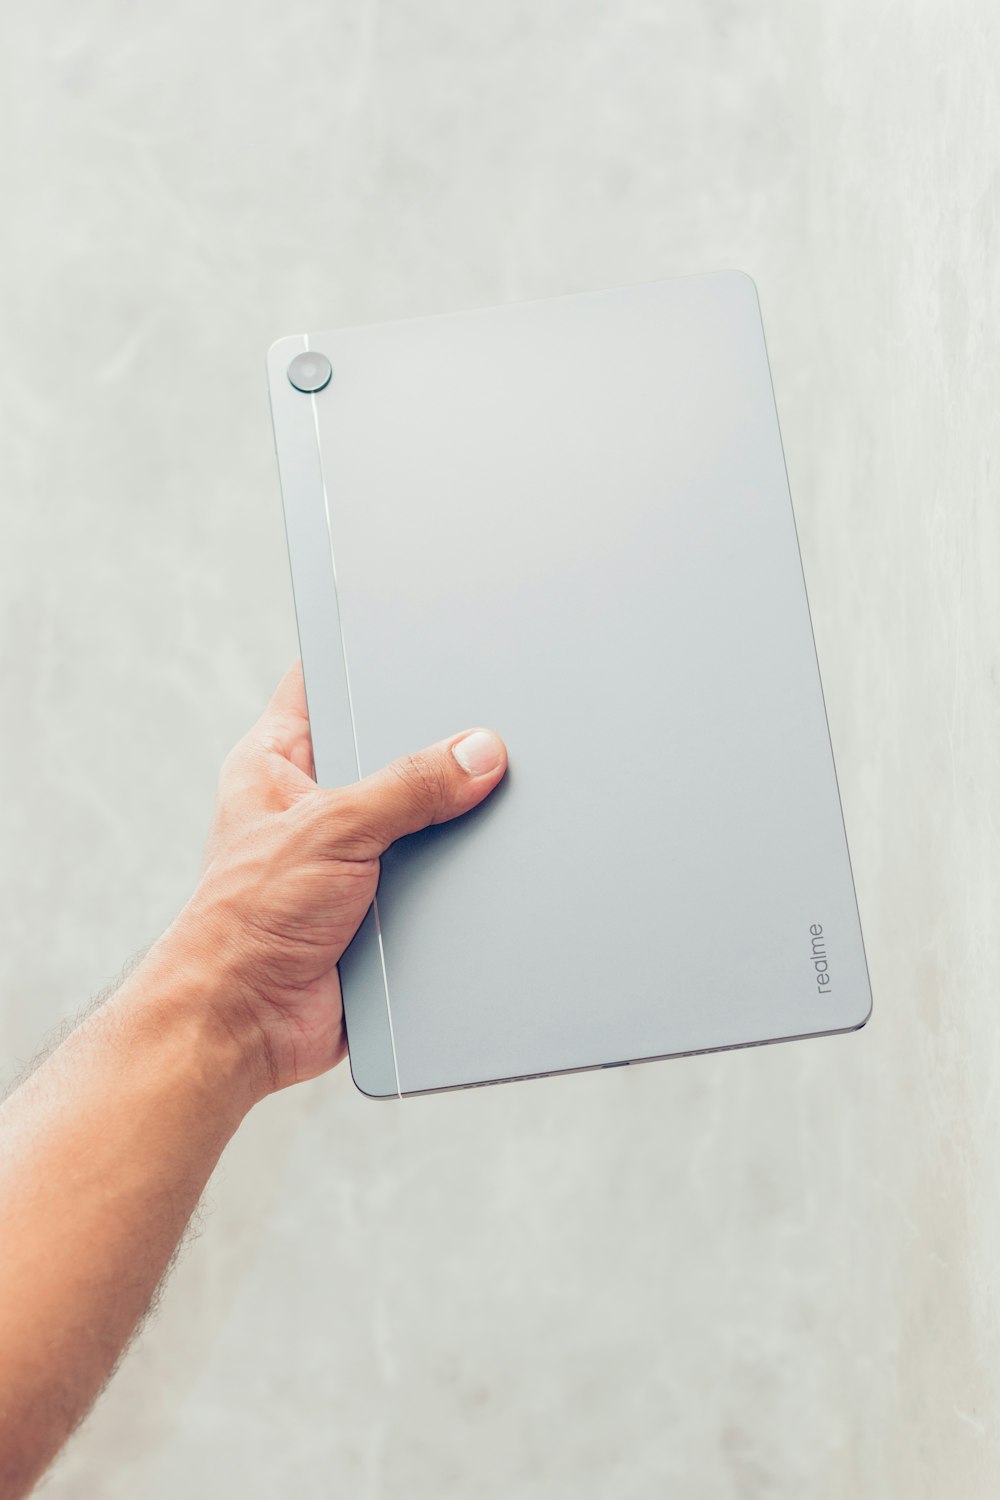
{"x":819,"y":959}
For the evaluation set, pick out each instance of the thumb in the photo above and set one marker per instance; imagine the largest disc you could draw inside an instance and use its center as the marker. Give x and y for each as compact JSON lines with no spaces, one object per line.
{"x":431,"y":786}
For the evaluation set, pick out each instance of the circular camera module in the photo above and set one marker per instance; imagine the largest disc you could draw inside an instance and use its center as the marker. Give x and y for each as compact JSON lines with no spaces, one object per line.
{"x":310,"y":371}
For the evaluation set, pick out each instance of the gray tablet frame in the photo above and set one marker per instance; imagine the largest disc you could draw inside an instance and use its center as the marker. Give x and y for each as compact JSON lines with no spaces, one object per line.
{"x":676,"y":521}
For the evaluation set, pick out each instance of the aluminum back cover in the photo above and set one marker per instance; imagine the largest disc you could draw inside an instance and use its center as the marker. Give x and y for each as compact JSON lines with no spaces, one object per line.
{"x":569,"y":520}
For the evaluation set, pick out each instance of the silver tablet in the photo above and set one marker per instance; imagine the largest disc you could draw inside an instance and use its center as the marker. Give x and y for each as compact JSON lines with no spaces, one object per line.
{"x":570,"y":520}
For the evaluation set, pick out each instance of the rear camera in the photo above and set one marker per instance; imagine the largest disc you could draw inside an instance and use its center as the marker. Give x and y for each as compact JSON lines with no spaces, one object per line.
{"x":310,"y":372}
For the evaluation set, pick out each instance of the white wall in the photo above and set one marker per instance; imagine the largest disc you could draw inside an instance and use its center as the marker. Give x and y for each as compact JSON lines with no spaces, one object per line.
{"x":772,"y":1273}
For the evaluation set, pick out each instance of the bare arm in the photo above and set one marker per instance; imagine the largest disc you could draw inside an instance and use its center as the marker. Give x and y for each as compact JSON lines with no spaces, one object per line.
{"x":104,"y":1152}
{"x":106,"y":1148}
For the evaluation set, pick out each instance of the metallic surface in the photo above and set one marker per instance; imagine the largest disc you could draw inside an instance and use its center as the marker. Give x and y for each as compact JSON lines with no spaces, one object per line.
{"x":570,"y":520}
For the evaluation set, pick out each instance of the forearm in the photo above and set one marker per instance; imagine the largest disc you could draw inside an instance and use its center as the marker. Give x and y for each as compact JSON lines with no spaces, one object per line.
{"x":104,"y":1153}
{"x":105,"y":1150}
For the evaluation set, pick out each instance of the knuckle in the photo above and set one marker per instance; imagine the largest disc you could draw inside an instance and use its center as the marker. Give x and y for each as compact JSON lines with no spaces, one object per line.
{"x":238,"y":764}
{"x":229,"y":765}
{"x":423,"y":780}
{"x":247,"y":780}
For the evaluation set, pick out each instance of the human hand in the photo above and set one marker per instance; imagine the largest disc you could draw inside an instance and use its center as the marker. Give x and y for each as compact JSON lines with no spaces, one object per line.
{"x":110,"y":1141}
{"x":290,"y":870}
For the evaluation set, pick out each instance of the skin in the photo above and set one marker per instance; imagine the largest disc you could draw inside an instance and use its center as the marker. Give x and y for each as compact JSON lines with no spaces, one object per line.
{"x":106,"y":1148}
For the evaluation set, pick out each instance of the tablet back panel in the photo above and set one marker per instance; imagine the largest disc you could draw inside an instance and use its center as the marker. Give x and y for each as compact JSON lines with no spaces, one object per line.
{"x":569,"y":520}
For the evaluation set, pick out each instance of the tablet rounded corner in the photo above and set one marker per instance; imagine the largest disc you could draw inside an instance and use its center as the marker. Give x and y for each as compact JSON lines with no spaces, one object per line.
{"x":282,"y":350}
{"x":859,"y":1025}
{"x":372,"y":1082}
{"x":736,"y":273}
{"x":859,"y":1022}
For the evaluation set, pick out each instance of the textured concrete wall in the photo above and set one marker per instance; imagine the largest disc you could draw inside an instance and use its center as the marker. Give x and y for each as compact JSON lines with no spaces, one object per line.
{"x":765,"y":1274}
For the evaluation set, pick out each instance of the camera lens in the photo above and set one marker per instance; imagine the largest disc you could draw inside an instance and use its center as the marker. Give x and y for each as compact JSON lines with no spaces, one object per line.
{"x":310,"y":371}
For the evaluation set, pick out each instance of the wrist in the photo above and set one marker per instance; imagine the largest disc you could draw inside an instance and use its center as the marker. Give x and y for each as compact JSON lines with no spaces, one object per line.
{"x":181,"y":991}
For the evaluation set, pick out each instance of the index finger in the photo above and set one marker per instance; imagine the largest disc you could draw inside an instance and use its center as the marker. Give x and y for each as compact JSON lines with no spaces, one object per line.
{"x":284,"y":724}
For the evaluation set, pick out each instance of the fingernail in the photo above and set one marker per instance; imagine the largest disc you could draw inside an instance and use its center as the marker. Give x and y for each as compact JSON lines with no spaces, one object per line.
{"x":478,"y":753}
